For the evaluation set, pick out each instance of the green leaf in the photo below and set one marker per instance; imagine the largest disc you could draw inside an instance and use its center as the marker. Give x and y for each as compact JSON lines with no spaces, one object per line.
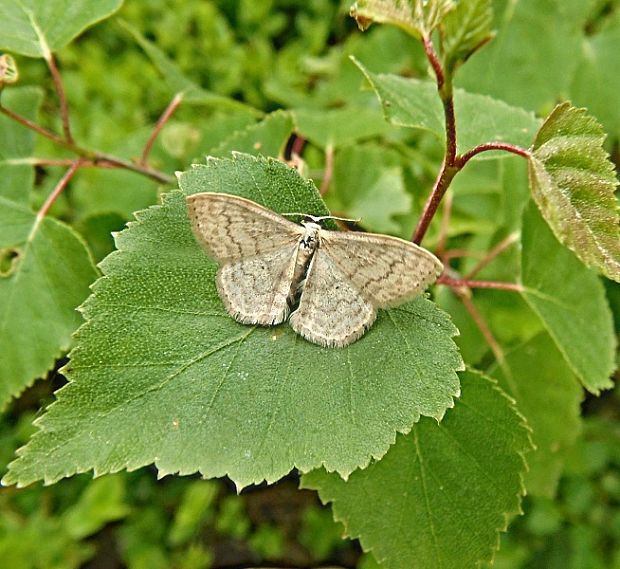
{"x":573,"y":183}
{"x":465,"y":30}
{"x":196,"y":507}
{"x":368,"y":184}
{"x":441,"y":494}
{"x":96,"y":190}
{"x":161,"y":374}
{"x":37,"y":28}
{"x":594,"y":85}
{"x":414,"y":103}
{"x":267,"y":138}
{"x":178,"y":82}
{"x":534,"y":57}
{"x":549,"y":396}
{"x":570,"y":301}
{"x":46,"y":278}
{"x":102,"y":502}
{"x":17,"y":143}
{"x":337,"y":127}
{"x":417,"y":17}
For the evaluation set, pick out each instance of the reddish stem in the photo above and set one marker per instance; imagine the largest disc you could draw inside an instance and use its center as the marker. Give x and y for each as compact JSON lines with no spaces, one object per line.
{"x":442,"y":183}
{"x":60,"y":186}
{"x":456,"y":253}
{"x":62,"y":98}
{"x":464,"y":158}
{"x":163,"y":119}
{"x":468,"y":283}
{"x":448,"y":169}
{"x":298,"y":145}
{"x":482,"y":325}
{"x":98,"y":158}
{"x":452,"y":162}
{"x":433,"y":59}
{"x":33,"y":126}
{"x":492,"y":254}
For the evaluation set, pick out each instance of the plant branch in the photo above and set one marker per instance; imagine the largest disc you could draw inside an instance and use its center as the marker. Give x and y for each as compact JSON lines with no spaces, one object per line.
{"x":468,"y":283}
{"x":497,"y":250}
{"x":96,"y":158}
{"x":481,"y":324}
{"x":448,"y":169}
{"x":433,"y":59}
{"x":110,"y":160}
{"x":441,"y":185}
{"x":452,"y":163}
{"x":163,"y":119}
{"x":33,"y":126}
{"x":512,"y":148}
{"x":58,"y":189}
{"x":62,"y":98}
{"x":298,"y":145}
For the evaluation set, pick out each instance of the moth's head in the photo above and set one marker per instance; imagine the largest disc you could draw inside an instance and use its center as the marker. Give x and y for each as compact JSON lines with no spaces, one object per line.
{"x":312,"y":222}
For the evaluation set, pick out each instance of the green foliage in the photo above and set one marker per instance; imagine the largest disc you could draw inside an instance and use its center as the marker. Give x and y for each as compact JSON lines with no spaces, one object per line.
{"x":570,"y":301}
{"x":550,"y":401}
{"x":573,"y":184}
{"x":238,"y":408}
{"x":45,"y":278}
{"x":535,"y":54}
{"x":159,"y":374}
{"x":17,"y":144}
{"x":36,"y":29}
{"x":442,"y":493}
{"x":465,"y":30}
{"x":267,"y":138}
{"x":360,"y":173}
{"x":581,"y":527}
{"x":417,"y":17}
{"x":414,"y":103}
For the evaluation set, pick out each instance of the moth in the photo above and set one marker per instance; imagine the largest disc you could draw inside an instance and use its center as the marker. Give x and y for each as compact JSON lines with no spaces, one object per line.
{"x":335,"y":280}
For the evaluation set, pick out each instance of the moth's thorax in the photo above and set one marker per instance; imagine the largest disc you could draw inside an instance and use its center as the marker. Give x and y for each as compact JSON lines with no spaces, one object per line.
{"x":310,"y":239}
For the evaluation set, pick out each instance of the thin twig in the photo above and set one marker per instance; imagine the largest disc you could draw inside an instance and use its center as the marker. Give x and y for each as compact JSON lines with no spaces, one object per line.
{"x":97,"y":158}
{"x":464,"y":158}
{"x":481,"y":324}
{"x":108,"y":159}
{"x":468,"y":283}
{"x":58,"y":189}
{"x":456,"y":253}
{"x":298,"y":145}
{"x":32,"y":126}
{"x":492,"y":254}
{"x":432,"y":203}
{"x":448,"y":169}
{"x":431,"y":55}
{"x":62,"y":98}
{"x":329,"y":169}
{"x":163,"y":119}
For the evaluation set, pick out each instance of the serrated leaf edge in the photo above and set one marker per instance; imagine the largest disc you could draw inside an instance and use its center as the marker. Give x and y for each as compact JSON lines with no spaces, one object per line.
{"x":219,"y":149}
{"x":507,"y":515}
{"x":39,"y":422}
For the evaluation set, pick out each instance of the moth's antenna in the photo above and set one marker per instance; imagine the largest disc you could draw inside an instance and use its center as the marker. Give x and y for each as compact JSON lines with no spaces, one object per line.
{"x":322,"y":217}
